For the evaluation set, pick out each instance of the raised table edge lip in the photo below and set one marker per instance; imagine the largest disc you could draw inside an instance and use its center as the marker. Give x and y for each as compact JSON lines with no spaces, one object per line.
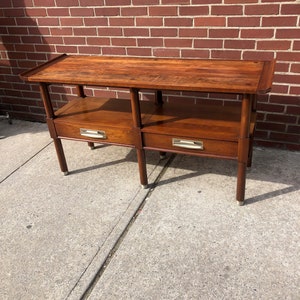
{"x":262,"y":86}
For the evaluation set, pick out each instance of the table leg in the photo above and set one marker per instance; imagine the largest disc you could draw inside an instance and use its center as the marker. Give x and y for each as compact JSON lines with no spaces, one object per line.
{"x":243,"y":148}
{"x":50,"y":116}
{"x":61,"y":156}
{"x":137,"y":123}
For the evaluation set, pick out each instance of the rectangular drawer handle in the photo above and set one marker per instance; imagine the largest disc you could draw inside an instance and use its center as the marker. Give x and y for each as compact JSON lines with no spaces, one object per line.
{"x":188,"y":144}
{"x":97,"y":134}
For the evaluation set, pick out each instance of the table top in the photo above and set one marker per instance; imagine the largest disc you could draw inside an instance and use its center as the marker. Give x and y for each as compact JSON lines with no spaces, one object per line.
{"x":202,"y":75}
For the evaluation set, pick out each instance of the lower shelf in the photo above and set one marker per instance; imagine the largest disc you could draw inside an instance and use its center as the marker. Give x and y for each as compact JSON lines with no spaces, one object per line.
{"x":99,"y":120}
{"x":204,"y":130}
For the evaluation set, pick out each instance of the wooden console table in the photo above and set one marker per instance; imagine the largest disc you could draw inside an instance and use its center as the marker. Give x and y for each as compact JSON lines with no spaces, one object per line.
{"x":203,"y":130}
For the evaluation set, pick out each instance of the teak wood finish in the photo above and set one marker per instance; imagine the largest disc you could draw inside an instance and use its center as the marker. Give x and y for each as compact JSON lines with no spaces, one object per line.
{"x":204,"y":130}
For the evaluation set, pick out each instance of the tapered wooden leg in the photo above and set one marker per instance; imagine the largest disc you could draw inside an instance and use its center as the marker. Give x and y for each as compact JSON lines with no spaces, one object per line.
{"x":61,"y":156}
{"x":241,"y":183}
{"x":137,"y":123}
{"x":142,"y":167}
{"x":91,"y":145}
{"x":243,"y":148}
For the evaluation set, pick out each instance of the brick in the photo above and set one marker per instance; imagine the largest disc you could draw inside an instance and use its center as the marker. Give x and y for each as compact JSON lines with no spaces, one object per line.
{"x":95,"y":21}
{"x":289,"y":56}
{"x":279,"y":88}
{"x":286,"y":78}
{"x":89,"y":50}
{"x":192,"y":32}
{"x":163,"y":32}
{"x":282,"y":67}
{"x":74,"y":40}
{"x":178,"y":43}
{"x":163,"y":52}
{"x":295,"y":90}
{"x":243,"y":21}
{"x":85,"y":31}
{"x":113,"y":51}
{"x":290,"y":9}
{"x":123,"y":42}
{"x":257,"y":33}
{"x":195,"y":53}
{"x":178,"y":22}
{"x":273,"y":45}
{"x":178,"y":2}
{"x":150,"y":42}
{"x":67,"y":3}
{"x":210,"y":21}
{"x":66,"y":49}
{"x":139,"y":51}
{"x":223,"y":33}
{"x":134,"y":11}
{"x":279,"y":21}
{"x":98,"y":41}
{"x":82,"y":12}
{"x":57,"y":12}
{"x":149,"y":22}
{"x":258,"y":55}
{"x":91,"y":2}
{"x":293,"y":110}
{"x":48,"y":21}
{"x":208,"y":43}
{"x":109,"y":31}
{"x":281,"y":118}
{"x":145,"y":2}
{"x":296,"y":45}
{"x":287,"y":33}
{"x":227,"y":10}
{"x":293,"y":129}
{"x":226,"y":54}
{"x":117,"y":3}
{"x":193,"y":10}
{"x":239,"y":44}
{"x":121,"y":21}
{"x":71,"y":21}
{"x":15,"y":12}
{"x":239,"y":1}
{"x":36,"y":12}
{"x":62,"y":31}
{"x":270,"y":126}
{"x":270,"y":107}
{"x":262,"y":9}
{"x":9,"y":21}
{"x":136,"y":31}
{"x":41,"y":3}
{"x":17,"y":30}
{"x":206,"y":2}
{"x":292,"y":138}
{"x":163,"y":11}
{"x":107,"y":11}
{"x":31,"y":40}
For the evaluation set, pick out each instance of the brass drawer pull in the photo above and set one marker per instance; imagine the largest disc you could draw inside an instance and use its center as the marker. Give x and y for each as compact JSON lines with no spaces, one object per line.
{"x":188,"y":144}
{"x":97,"y":134}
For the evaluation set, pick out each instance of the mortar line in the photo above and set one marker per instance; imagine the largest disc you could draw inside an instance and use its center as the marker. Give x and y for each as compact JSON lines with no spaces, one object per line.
{"x":124,"y":233}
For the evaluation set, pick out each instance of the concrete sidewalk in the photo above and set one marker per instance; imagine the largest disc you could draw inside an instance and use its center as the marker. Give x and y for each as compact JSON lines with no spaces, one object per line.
{"x":95,"y":234}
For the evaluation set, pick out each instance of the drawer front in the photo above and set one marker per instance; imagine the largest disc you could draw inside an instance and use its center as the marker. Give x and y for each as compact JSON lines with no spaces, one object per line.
{"x":197,"y":146}
{"x":95,"y":134}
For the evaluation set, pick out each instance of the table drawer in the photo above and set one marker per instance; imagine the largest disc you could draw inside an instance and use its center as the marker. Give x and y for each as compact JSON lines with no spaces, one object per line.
{"x":97,"y":134}
{"x":196,"y":146}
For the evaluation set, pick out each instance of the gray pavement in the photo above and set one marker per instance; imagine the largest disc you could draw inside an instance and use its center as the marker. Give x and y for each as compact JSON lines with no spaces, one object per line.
{"x":95,"y":234}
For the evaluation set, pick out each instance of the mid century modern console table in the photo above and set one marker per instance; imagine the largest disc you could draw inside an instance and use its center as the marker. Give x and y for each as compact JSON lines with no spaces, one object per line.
{"x":195,"y":129}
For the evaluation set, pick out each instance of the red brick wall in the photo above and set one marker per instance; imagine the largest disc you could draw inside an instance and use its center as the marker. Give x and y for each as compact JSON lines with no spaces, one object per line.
{"x":35,"y":30}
